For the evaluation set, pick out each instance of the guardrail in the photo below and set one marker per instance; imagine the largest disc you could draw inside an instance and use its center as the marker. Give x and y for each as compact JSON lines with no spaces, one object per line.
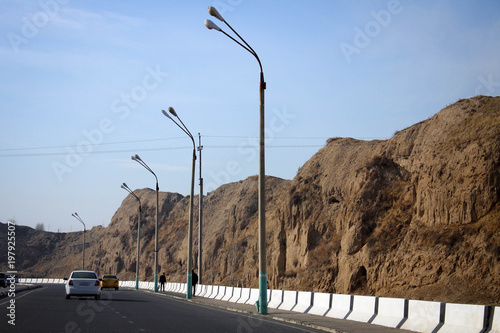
{"x":414,"y":315}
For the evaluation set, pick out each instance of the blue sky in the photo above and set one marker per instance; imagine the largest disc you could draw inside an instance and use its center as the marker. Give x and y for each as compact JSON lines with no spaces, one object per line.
{"x":83,"y":83}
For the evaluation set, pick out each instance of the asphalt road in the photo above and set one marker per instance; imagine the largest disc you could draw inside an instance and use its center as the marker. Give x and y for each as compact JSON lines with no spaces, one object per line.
{"x":46,"y":310}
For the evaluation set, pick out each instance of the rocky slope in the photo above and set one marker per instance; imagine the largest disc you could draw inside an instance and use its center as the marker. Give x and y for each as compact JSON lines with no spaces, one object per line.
{"x":414,"y":216}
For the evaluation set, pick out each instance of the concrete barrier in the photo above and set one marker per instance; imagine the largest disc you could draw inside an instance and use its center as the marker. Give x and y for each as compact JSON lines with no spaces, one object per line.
{"x":289,"y":300}
{"x":341,"y":306}
{"x":304,"y":301}
{"x":363,"y":309}
{"x":201,"y":289}
{"x":254,"y":296}
{"x":495,"y":322}
{"x":209,"y":291}
{"x":245,"y":295}
{"x":463,"y":318}
{"x":215,"y":291}
{"x":276,"y":299}
{"x":392,"y":312}
{"x":424,"y":316}
{"x":322,"y":303}
{"x":228,"y":295}
{"x":236,"y":295}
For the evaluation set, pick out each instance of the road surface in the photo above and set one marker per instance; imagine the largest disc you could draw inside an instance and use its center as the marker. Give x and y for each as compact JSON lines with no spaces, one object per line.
{"x":46,"y":310}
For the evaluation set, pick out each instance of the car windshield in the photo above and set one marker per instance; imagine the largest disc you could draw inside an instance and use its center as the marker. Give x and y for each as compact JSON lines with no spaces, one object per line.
{"x":84,"y":275}
{"x":109,"y":277}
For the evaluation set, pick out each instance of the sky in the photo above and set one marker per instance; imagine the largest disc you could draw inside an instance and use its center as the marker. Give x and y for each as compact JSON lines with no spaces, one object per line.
{"x":83,"y":83}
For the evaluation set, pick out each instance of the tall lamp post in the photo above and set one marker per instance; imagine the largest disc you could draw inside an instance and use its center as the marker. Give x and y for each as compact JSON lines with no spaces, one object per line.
{"x":141,"y":162}
{"x":262,"y":302}
{"x":189,"y":291}
{"x":75,"y":215}
{"x":126,"y":188}
{"x":200,"y":220}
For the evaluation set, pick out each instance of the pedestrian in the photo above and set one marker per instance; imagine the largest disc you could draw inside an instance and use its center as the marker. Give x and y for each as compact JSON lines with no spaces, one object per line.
{"x":195,"y":281}
{"x":163,"y":279}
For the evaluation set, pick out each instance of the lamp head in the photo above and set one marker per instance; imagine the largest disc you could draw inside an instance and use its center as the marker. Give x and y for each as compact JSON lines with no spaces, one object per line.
{"x":165,"y":113}
{"x":137,"y":157}
{"x":172,"y":111}
{"x":211,"y":25}
{"x":212,"y":11}
{"x":123,"y":187}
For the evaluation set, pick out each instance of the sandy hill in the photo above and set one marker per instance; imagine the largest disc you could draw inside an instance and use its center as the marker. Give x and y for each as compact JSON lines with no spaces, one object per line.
{"x":415,"y":216}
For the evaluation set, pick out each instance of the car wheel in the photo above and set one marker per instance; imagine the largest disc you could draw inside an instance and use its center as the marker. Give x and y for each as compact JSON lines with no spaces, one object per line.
{"x":68,"y":296}
{"x":97,"y":297}
{"x":116,"y":288}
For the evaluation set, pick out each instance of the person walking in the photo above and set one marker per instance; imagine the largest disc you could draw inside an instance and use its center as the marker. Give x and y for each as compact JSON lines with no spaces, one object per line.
{"x":195,"y":281}
{"x":163,"y":279}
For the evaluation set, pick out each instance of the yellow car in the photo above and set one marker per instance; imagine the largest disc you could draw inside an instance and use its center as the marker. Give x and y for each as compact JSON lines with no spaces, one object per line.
{"x":109,"y":281}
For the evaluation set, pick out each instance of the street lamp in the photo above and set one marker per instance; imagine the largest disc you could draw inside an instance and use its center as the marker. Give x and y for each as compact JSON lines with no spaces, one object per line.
{"x":262,"y":302}
{"x":125,"y":187}
{"x":75,"y":215}
{"x":141,"y":162}
{"x":189,"y":290}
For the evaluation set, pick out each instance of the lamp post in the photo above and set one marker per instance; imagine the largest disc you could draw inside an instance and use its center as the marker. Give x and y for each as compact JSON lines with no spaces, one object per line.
{"x":262,"y":302}
{"x":126,"y":188}
{"x":200,"y":219}
{"x":75,"y":215}
{"x":141,"y":162}
{"x":189,"y":291}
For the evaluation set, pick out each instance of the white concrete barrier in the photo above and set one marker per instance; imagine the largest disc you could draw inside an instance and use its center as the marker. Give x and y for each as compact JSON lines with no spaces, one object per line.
{"x":363,"y":309}
{"x":495,"y":324}
{"x":322,"y":303}
{"x":341,"y":306}
{"x":236,"y":295}
{"x":254,"y":296}
{"x":276,"y":299}
{"x":215,"y":292}
{"x":423,"y":316}
{"x":289,"y":300}
{"x":463,"y":318}
{"x":201,"y":290}
{"x":304,"y":301}
{"x":245,"y":295}
{"x":209,"y":291}
{"x":392,"y":312}
{"x":229,"y":294}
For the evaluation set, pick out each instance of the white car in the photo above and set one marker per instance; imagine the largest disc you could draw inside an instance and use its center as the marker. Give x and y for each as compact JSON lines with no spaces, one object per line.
{"x":83,"y":283}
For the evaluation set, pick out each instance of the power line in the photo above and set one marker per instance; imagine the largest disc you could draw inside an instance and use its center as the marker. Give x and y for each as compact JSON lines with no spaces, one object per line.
{"x":153,"y":149}
{"x":100,"y":144}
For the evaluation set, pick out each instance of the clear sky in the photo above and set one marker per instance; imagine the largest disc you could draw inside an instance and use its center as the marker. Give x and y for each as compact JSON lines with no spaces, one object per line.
{"x":83,"y":83}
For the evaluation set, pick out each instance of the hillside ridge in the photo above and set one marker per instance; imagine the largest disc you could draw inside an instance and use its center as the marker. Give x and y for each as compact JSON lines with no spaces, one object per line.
{"x":415,"y":216}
